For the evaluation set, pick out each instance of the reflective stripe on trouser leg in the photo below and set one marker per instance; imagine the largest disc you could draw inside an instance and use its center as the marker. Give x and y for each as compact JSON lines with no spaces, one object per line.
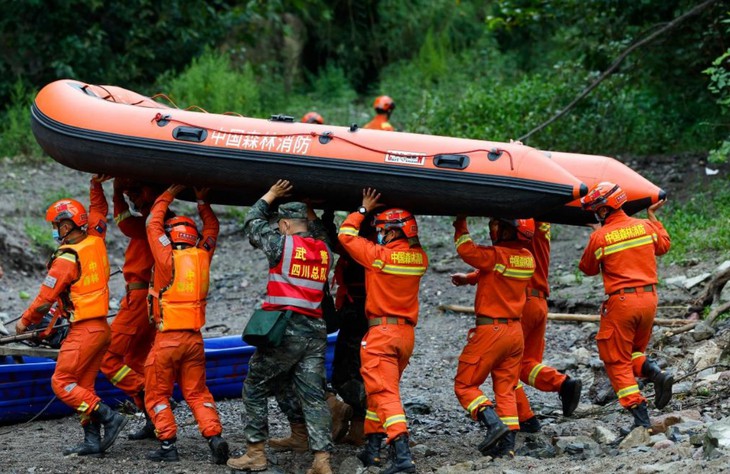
{"x":372,"y":423}
{"x":385,"y":353}
{"x":637,"y":363}
{"x":78,"y":364}
{"x":533,"y":322}
{"x":191,"y":380}
{"x":476,"y":404}
{"x":524,"y":410}
{"x":625,"y":330}
{"x":506,"y":376}
{"x":159,"y":372}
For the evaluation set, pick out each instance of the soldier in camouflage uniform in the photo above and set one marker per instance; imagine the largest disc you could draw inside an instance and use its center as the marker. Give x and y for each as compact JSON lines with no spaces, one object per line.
{"x":299,"y":360}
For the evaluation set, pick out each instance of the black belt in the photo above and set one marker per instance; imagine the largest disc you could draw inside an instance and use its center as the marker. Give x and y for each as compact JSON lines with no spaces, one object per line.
{"x":484,"y":320}
{"x":534,"y":292}
{"x":635,"y":289}
{"x":388,"y":320}
{"x":137,"y":285}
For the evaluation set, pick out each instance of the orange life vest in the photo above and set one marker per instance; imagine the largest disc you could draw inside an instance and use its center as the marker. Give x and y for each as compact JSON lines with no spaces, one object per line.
{"x":88,"y":296}
{"x":182,"y":302}
{"x":297,"y":282}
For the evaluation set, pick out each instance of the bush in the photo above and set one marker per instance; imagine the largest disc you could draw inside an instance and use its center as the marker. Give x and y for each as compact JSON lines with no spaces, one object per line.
{"x":16,"y":139}
{"x":210,"y":82}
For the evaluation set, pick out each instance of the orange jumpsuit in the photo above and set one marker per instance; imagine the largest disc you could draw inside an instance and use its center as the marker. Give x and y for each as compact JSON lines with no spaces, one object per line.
{"x":495,"y":345}
{"x":392,"y":278}
{"x":534,"y":321}
{"x":88,"y":337}
{"x":380,"y":122}
{"x":132,"y":332}
{"x":177,"y":354}
{"x":623,"y":250}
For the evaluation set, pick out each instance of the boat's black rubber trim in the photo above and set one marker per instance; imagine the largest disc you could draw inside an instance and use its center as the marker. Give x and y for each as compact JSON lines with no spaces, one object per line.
{"x":296,"y":160}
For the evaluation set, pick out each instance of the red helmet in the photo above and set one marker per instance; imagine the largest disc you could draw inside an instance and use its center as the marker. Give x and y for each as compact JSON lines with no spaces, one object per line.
{"x":182,"y":230}
{"x":603,"y":194}
{"x":525,"y":229}
{"x":313,"y":117}
{"x":384,"y":104}
{"x":67,"y":209}
{"x":397,"y":219}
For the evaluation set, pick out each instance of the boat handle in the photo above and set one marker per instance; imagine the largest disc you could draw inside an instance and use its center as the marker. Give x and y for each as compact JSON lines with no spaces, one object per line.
{"x":190,"y":134}
{"x":457,"y":162}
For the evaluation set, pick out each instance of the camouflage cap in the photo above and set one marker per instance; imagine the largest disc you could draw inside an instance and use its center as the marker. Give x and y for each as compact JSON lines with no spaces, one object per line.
{"x":293,"y":210}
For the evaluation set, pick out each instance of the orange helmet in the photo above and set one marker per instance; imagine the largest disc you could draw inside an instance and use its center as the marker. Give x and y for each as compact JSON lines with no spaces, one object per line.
{"x":603,"y":194}
{"x":67,"y":209}
{"x":182,"y":230}
{"x":525,"y":229}
{"x":313,"y":117}
{"x":384,"y":104}
{"x":397,"y":219}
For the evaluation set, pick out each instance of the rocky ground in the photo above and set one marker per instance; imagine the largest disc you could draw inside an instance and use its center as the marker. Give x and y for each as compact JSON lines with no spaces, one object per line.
{"x":688,"y":429}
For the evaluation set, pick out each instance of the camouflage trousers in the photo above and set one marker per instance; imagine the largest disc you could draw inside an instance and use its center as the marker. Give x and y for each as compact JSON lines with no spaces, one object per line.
{"x":296,"y":365}
{"x":346,"y":378}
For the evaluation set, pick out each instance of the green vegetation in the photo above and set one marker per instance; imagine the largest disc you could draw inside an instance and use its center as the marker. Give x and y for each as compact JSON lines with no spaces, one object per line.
{"x":486,"y":70}
{"x":699,"y":224}
{"x":39,"y":234}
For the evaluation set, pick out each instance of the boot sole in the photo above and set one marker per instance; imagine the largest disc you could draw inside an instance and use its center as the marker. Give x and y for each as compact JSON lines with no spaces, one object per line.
{"x":663,"y":392}
{"x":248,"y":469}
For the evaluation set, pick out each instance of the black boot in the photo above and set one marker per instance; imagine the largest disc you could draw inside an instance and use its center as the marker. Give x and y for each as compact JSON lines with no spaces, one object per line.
{"x":91,"y":446}
{"x":166,"y":453}
{"x":495,"y":428}
{"x":146,"y":432}
{"x":113,"y":423}
{"x":505,"y":447}
{"x":370,"y":455}
{"x":530,"y":425}
{"x":641,"y":415}
{"x":219,"y":449}
{"x":400,"y":456}
{"x":663,"y":382}
{"x":570,"y":395}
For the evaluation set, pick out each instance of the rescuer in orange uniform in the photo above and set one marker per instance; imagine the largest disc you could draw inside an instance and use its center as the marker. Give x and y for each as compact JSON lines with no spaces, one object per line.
{"x":384,"y":106}
{"x":495,"y":345}
{"x":312,"y":117}
{"x":534,"y":321}
{"x":177,"y":304}
{"x":77,"y":281}
{"x":132,"y":331}
{"x":623,"y":250}
{"x":393,"y":270}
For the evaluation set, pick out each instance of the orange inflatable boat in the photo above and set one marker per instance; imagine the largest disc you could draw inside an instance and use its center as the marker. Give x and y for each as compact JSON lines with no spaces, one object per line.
{"x":592,"y":169}
{"x":110,"y":130}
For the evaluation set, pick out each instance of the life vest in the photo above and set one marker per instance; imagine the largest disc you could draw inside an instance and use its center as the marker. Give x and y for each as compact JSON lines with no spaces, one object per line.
{"x":181,"y":304}
{"x":88,"y":295}
{"x":297,"y":281}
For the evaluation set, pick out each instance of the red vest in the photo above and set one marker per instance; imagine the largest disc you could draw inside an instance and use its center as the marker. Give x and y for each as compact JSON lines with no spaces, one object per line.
{"x":182,"y":302}
{"x":89,"y":294}
{"x":297,"y":282}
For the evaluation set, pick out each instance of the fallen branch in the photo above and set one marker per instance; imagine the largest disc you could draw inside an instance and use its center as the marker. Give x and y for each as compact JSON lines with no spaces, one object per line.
{"x":579,"y":318}
{"x":669,"y":26}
